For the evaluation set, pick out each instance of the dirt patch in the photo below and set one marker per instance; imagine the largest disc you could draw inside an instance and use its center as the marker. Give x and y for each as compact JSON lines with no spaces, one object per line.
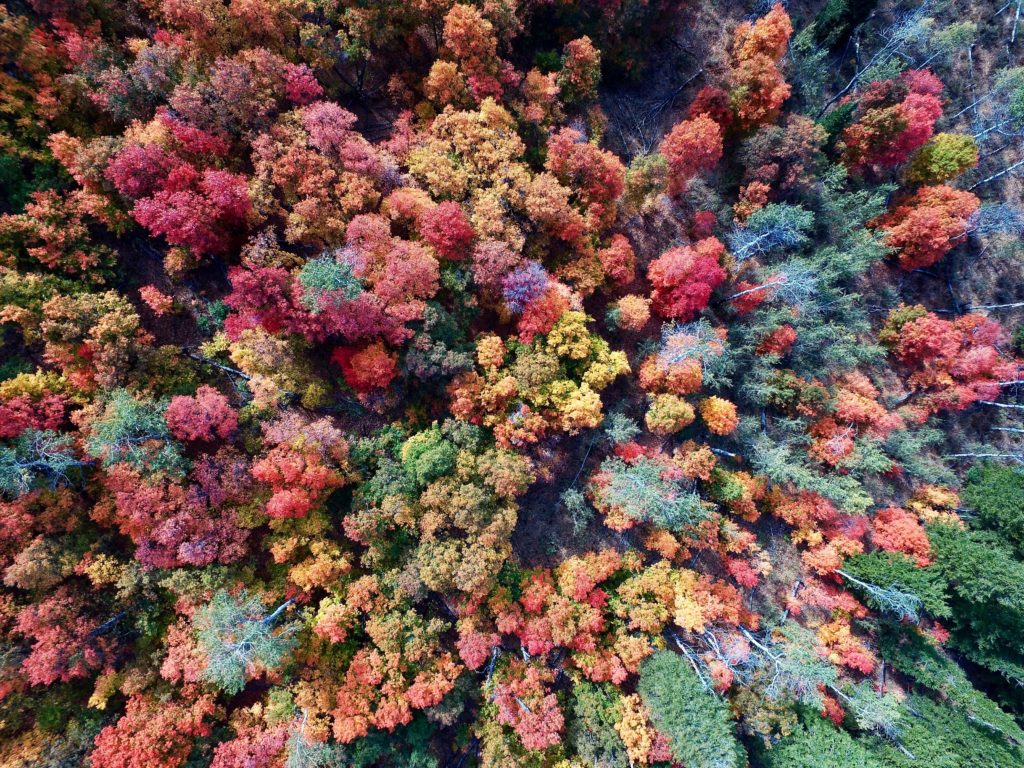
{"x":544,"y":534}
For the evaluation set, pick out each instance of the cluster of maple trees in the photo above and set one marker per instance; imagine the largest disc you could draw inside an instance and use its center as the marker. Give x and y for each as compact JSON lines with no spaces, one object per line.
{"x":319,"y":315}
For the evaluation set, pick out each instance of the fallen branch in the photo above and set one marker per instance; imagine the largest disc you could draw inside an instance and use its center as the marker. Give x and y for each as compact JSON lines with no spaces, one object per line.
{"x":219,"y":366}
{"x":1014,"y":305}
{"x":995,"y":176}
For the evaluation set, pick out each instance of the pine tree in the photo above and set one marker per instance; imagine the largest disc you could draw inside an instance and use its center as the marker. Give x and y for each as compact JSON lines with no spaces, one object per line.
{"x":696,"y":722}
{"x":240,"y":638}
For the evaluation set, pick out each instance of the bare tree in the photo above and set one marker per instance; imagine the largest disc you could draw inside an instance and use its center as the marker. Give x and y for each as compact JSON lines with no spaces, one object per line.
{"x":891,"y":599}
{"x":905,"y":33}
{"x":794,"y":283}
{"x":772,"y":228}
{"x":996,"y":218}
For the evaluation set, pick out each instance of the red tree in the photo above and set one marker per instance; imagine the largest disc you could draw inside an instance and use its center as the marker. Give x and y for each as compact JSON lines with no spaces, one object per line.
{"x":139,"y":170}
{"x":306,"y":463}
{"x":199,"y":210}
{"x":152,"y":734}
{"x":896,"y":530}
{"x":618,"y":260}
{"x":896,"y":117}
{"x":447,"y":230}
{"x":206,"y":417}
{"x":692,"y":146}
{"x":253,"y":747}
{"x":367,"y":369}
{"x":66,"y":644}
{"x":524,"y":703}
{"x":953,"y":363}
{"x":31,"y":411}
{"x":595,"y":176}
{"x":683,"y":278}
{"x":713,"y":102}
{"x":173,"y":525}
{"x":927,"y":226}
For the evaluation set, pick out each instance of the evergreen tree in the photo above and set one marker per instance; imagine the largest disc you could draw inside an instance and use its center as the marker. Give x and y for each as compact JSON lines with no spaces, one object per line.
{"x":996,"y":493}
{"x":594,"y":710}
{"x":240,"y":638}
{"x":37,"y":458}
{"x":816,"y":743}
{"x":695,"y":721}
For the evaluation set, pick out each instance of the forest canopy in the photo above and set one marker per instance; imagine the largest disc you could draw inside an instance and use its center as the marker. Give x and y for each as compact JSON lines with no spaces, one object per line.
{"x":509,"y":383}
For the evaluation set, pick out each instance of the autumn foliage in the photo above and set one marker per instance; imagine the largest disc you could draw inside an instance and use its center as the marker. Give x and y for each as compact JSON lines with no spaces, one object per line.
{"x":507,"y":384}
{"x":683,"y":278}
{"x":758,"y":89}
{"x":691,"y":146}
{"x":927,"y":226}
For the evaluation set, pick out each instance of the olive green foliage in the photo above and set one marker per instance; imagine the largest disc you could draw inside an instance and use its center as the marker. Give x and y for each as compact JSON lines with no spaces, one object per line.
{"x":19,"y":179}
{"x":591,"y":727}
{"x":943,"y":158}
{"x":12,"y":365}
{"x":1018,"y":340}
{"x":439,"y":349}
{"x":837,"y":119}
{"x":407,"y":747}
{"x":427,"y":456}
{"x":811,"y":70}
{"x":913,"y":450}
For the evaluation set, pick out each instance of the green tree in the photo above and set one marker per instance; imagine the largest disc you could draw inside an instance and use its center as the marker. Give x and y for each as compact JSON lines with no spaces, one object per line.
{"x":892,"y":583}
{"x":619,"y":428}
{"x":35,"y":459}
{"x":326,"y":281}
{"x":837,"y":19}
{"x":798,"y":671}
{"x":943,"y":158}
{"x":239,"y":637}
{"x":647,"y":496}
{"x":133,"y":430}
{"x":580,"y":512}
{"x":916,"y":655}
{"x":996,"y":493}
{"x":695,"y":721}
{"x":427,"y":456}
{"x":819,"y":744}
{"x":304,"y":753}
{"x":939,"y":736}
{"x":986,"y":597}
{"x":594,"y":710}
{"x":775,"y":227}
